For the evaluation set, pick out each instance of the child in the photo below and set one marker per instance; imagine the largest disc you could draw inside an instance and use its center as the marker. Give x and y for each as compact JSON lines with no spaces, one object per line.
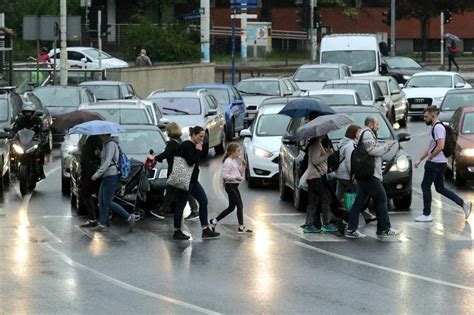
{"x":232,"y":173}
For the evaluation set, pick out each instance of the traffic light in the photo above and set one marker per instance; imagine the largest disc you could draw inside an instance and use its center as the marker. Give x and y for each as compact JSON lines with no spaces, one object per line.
{"x":448,"y":16}
{"x":303,"y":12}
{"x":316,"y":18}
{"x":387,"y":17}
{"x":105,"y":30}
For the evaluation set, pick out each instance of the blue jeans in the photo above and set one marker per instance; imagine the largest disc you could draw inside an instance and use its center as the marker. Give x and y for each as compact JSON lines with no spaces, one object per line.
{"x":195,"y":190}
{"x":106,"y":196}
{"x":434,"y":173}
{"x":366,"y":189}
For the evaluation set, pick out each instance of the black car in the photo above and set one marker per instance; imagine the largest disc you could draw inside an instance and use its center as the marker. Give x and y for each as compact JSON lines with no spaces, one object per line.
{"x":111,"y":90}
{"x":397,"y":165}
{"x":61,"y":100}
{"x":136,"y":142}
{"x":401,"y":68}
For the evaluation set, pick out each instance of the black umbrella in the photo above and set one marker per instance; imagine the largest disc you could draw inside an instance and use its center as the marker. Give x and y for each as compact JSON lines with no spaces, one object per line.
{"x":301,"y":107}
{"x":69,"y":120}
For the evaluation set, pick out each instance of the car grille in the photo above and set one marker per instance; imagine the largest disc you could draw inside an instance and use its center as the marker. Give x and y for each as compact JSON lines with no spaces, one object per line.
{"x":419,"y":103}
{"x":252,"y":107}
{"x":276,"y":160}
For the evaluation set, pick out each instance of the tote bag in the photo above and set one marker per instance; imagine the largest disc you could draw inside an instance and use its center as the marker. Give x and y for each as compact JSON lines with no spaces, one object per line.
{"x":181,"y":173}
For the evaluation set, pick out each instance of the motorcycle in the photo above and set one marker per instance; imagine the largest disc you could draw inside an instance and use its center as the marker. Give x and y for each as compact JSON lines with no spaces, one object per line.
{"x":26,"y":154}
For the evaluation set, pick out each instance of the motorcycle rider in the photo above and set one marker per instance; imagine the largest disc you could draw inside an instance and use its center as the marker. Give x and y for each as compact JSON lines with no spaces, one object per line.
{"x":29,"y":120}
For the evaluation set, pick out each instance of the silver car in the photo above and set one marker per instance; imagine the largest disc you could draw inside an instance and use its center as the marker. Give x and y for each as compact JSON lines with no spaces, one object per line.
{"x":312,"y":77}
{"x":194,"y":108}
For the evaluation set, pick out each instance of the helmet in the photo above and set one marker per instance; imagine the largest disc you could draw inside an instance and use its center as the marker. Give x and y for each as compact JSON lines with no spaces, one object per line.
{"x":28,"y":107}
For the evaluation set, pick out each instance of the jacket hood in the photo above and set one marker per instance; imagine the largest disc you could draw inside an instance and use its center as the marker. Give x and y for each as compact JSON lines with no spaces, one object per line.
{"x":345,"y":141}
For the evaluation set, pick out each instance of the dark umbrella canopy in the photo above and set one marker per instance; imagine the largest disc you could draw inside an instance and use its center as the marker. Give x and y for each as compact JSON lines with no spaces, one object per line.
{"x":301,"y":107}
{"x":69,"y":120}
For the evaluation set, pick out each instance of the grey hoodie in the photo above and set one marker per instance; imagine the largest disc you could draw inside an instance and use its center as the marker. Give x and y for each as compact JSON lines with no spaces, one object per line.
{"x":109,"y":157}
{"x":346,"y":146}
{"x":373,"y":148}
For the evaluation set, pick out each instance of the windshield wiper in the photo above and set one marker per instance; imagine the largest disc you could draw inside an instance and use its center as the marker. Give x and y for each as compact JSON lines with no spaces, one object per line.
{"x":176,"y":110}
{"x":255,"y":93}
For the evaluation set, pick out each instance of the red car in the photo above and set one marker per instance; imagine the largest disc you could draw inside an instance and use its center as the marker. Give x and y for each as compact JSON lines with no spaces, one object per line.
{"x":461,"y":164}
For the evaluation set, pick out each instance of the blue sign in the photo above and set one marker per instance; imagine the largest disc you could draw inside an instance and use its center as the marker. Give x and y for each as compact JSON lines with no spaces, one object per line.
{"x":243,"y":4}
{"x":195,"y":15}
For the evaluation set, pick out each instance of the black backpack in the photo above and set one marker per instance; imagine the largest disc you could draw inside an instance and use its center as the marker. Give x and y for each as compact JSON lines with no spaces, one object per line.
{"x":334,"y":160}
{"x":450,"y":140}
{"x":362,"y":163}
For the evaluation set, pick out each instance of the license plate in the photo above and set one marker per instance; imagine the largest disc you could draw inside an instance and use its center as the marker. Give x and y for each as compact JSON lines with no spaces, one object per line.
{"x":414,"y":106}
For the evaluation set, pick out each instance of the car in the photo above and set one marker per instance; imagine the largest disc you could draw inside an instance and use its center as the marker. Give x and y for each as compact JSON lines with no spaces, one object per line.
{"x":429,"y":88}
{"x":396,"y":165}
{"x":194,"y":108}
{"x":68,"y":147}
{"x":397,"y":105}
{"x":232,"y":103}
{"x":152,"y":108}
{"x":60,"y":100}
{"x":369,"y":91}
{"x":461,"y":163}
{"x":255,"y":90}
{"x":401,"y":68}
{"x":111,"y":90}
{"x":262,"y":141}
{"x":453,"y":100}
{"x":46,"y":118}
{"x":136,"y":142}
{"x":121,"y":114}
{"x":336,"y":96}
{"x":88,"y":58}
{"x":312,"y":77}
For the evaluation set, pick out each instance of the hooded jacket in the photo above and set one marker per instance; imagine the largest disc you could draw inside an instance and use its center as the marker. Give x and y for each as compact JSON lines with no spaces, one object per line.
{"x":346,"y":146}
{"x":109,"y":157}
{"x":373,"y":148}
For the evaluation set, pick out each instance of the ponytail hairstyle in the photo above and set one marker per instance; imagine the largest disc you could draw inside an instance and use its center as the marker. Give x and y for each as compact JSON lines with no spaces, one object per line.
{"x":231,"y":148}
{"x":195,"y":130}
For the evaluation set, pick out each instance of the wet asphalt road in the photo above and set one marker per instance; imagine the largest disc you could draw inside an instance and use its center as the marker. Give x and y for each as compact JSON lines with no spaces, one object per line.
{"x":49,"y":265}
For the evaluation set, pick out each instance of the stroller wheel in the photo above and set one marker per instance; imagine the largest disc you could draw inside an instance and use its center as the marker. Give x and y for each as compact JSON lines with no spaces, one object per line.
{"x":139,"y":214}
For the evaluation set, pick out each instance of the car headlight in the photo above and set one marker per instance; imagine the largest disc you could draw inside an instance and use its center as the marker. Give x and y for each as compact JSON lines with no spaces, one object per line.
{"x":71,"y":148}
{"x":185,"y":133}
{"x":401,"y":164}
{"x":163,"y":173}
{"x":18,"y":149}
{"x":406,"y":77}
{"x":439,"y":99}
{"x":467,"y":152}
{"x":262,"y":153}
{"x":32,"y":148}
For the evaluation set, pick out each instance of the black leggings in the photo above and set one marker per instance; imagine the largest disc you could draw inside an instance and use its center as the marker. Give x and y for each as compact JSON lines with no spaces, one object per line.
{"x":235,"y":200}
{"x":451,"y":60}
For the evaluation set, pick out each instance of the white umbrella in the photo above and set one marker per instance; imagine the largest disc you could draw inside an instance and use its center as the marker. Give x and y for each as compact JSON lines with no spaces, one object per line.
{"x":452,"y":37}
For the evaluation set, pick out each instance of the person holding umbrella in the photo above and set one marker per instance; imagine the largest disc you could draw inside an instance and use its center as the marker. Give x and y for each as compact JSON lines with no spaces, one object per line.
{"x":452,"y":48}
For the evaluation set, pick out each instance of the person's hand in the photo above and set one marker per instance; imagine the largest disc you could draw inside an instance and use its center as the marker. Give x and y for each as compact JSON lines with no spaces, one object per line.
{"x":330,"y":151}
{"x":94,"y":178}
{"x":417,"y":163}
{"x":239,"y":178}
{"x":198,"y":146}
{"x":243,"y":161}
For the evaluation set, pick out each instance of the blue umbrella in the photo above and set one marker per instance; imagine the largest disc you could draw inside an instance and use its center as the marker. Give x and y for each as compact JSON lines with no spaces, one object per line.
{"x":96,"y":127}
{"x":301,"y":107}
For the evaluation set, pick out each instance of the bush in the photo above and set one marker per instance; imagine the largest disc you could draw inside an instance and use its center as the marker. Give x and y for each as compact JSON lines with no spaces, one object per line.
{"x":173,"y":43}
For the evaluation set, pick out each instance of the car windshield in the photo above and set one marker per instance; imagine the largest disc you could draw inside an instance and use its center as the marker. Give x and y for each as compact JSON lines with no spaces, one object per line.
{"x":105,"y":92}
{"x":468,"y":125}
{"x":123,"y":116}
{"x":35,"y":100}
{"x":359,"y":61}
{"x":3,"y":110}
{"x":336,"y":99}
{"x":221,"y":95}
{"x":435,"y":81}
{"x":178,"y":105}
{"x":272,"y":125}
{"x":395,"y":63}
{"x":316,"y":74}
{"x":94,"y":54}
{"x":363,"y":89}
{"x":453,"y":101}
{"x":141,"y":141}
{"x":256,"y":87}
{"x":383,"y":87}
{"x":383,"y":133}
{"x":58,"y":97}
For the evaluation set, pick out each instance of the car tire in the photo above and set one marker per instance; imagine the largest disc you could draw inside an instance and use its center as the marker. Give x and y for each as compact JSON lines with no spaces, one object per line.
{"x":65,"y":186}
{"x":391,"y":116}
{"x":403,"y":122}
{"x":48,"y":146}
{"x":205,"y":147}
{"x":458,"y":180}
{"x":231,"y":132}
{"x":284,"y":191}
{"x":220,"y":149}
{"x":72,"y":196}
{"x":6,"y":178}
{"x":403,"y":203}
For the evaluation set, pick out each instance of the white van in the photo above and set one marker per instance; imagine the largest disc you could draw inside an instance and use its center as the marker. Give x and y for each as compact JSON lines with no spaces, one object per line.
{"x":359,"y":51}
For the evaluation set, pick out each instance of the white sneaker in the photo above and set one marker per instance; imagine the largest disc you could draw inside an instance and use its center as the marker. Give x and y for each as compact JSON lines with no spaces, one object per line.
{"x":354,"y":234}
{"x":391,"y":232}
{"x":424,"y":218}
{"x":467,"y":207}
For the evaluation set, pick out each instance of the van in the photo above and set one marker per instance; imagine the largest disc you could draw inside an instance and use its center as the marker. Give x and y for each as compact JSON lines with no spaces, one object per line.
{"x":358,"y":51}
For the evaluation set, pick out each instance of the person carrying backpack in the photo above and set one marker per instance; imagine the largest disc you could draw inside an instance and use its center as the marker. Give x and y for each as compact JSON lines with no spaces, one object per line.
{"x":109,"y":172}
{"x":366,"y":166}
{"x":436,"y":164}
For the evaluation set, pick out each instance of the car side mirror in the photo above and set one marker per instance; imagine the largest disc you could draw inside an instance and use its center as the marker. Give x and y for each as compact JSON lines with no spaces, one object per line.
{"x":211,"y":112}
{"x":238,"y":103}
{"x":128,"y":96}
{"x":246,"y":133}
{"x":383,"y":69}
{"x":401,"y":85}
{"x":396,"y":92}
{"x":287,"y":93}
{"x":84,"y":60}
{"x":4,"y":135}
{"x":459,"y":85}
{"x":289,"y":140}
{"x":162,"y":123}
{"x":403,"y":137}
{"x":380,"y":99}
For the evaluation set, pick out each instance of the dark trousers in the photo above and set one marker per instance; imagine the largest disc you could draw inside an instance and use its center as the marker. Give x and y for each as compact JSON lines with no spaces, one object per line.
{"x":195,"y":190}
{"x":88,"y":188}
{"x":434,"y":173}
{"x":451,"y":60}
{"x":170,"y":197}
{"x":106,"y":197}
{"x":235,"y":201}
{"x":365,"y":189}
{"x":319,"y":202}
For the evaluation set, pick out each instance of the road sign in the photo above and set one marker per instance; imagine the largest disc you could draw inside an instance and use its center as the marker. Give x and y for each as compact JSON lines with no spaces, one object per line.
{"x":243,"y":15}
{"x":195,"y":15}
{"x":45,"y":27}
{"x":243,"y":4}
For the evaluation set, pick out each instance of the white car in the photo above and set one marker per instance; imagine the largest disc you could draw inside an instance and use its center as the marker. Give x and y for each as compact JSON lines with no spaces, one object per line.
{"x":152,"y":108}
{"x":88,"y":58}
{"x":429,"y":88}
{"x":336,"y":96}
{"x":263,"y":140}
{"x":312,"y":77}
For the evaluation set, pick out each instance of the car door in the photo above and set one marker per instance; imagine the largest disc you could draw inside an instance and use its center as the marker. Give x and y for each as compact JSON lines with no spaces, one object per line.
{"x":377,"y":94}
{"x":455,"y":124}
{"x":289,"y":152}
{"x":212,"y":121}
{"x":238,"y":109}
{"x":460,"y":80}
{"x":398,"y":98}
{"x":74,"y":60}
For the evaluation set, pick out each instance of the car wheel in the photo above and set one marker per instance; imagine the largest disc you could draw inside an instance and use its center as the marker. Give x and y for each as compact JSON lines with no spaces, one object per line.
{"x":231,"y":131}
{"x":48,"y":146}
{"x":403,"y":122}
{"x":403,"y":203}
{"x":391,"y":116}
{"x":205,"y":147}
{"x":458,"y":180}
{"x":298,"y":195}
{"x":72,"y":196}
{"x":220,"y":149}
{"x":65,"y":185}
{"x":284,"y":193}
{"x":6,"y":178}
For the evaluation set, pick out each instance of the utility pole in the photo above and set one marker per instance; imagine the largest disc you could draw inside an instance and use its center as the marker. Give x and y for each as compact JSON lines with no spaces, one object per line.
{"x":63,"y":54}
{"x":205,"y":26}
{"x":313,"y":33}
{"x":442,"y":39}
{"x":393,"y":36}
{"x":99,"y":36}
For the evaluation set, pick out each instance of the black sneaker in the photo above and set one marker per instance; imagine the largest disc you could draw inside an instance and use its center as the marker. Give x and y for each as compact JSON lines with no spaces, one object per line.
{"x":157,"y":214}
{"x":89,"y":224}
{"x":244,"y":230}
{"x":192,"y":216}
{"x":208,"y":233}
{"x":180,"y":236}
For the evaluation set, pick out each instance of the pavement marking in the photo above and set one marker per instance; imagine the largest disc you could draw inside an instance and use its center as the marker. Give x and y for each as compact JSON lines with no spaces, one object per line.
{"x":373,"y":234}
{"x":57,"y":216}
{"x":440,"y":205}
{"x":68,"y":260}
{"x":51,"y":234}
{"x":296,"y":229}
{"x":387,"y":269}
{"x":438,"y":229}
{"x":280,"y":214}
{"x":17,"y":189}
{"x":107,"y":236}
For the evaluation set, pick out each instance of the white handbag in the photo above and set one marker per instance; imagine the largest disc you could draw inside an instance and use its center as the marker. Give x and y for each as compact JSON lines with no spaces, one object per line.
{"x":181,"y":173}
{"x":303,"y":183}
